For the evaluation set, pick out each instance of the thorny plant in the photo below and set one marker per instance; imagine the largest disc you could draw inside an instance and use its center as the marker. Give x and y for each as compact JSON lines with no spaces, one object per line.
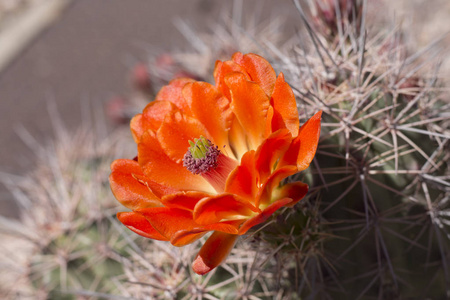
{"x":376,"y":221}
{"x":380,"y":184}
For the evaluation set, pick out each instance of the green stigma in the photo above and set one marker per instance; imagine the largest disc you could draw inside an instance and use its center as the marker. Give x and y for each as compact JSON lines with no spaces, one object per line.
{"x":200,"y":147}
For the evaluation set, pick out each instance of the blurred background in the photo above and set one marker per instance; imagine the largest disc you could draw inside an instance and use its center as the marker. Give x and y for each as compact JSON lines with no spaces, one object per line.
{"x":68,"y":56}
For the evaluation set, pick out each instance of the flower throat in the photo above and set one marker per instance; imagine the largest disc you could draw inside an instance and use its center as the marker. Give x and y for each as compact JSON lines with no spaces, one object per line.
{"x":205,"y":159}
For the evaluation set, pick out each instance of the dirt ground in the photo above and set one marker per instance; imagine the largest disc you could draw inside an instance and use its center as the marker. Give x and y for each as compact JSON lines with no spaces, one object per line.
{"x":84,"y":57}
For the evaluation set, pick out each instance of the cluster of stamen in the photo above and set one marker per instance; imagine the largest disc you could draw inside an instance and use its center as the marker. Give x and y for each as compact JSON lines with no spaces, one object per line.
{"x":201,"y":156}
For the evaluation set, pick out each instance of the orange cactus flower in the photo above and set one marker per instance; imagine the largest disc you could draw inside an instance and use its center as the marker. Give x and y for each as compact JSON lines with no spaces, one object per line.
{"x":210,"y":158}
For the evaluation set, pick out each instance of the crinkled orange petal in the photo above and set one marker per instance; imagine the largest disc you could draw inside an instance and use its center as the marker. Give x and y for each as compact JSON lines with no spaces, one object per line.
{"x":264,"y":197}
{"x":221,"y":70}
{"x":169,"y":221}
{"x":285,"y":107}
{"x":158,"y":189}
{"x":130,"y":191}
{"x":158,"y":166}
{"x":183,"y":200}
{"x":139,"y":224}
{"x":270,"y":115}
{"x":294,"y":190}
{"x":304,"y":146}
{"x":175,"y":133}
{"x":214,"y":209}
{"x":270,"y":151}
{"x":243,"y":179}
{"x":214,"y":252}
{"x":184,"y":237}
{"x":264,"y":215}
{"x":151,"y":118}
{"x":211,"y":108}
{"x":259,"y":69}
{"x":137,"y":127}
{"x":250,"y":105}
{"x":173,"y":93}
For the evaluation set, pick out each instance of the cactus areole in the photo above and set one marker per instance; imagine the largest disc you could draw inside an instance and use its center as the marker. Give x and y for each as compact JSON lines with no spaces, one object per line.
{"x":211,"y":158}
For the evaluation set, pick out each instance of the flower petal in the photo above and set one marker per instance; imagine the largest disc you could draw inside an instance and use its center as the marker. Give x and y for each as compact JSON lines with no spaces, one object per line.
{"x":265,"y":196}
{"x":218,"y":176}
{"x":139,"y":224}
{"x":270,"y":151}
{"x":269,"y":118}
{"x":238,"y":141}
{"x":178,"y":226}
{"x":222,"y":207}
{"x":250,"y":105}
{"x":264,"y":215}
{"x":183,"y":200}
{"x":304,"y":146}
{"x":187,"y":236}
{"x":168,"y":221}
{"x":173,"y":93}
{"x":158,"y":166}
{"x":285,"y":107}
{"x":128,"y":190}
{"x":157,"y":189}
{"x":175,"y":133}
{"x":184,"y":237}
{"x":221,"y":70}
{"x":243,"y":179}
{"x":293,"y":190}
{"x":211,"y":108}
{"x":259,"y":69}
{"x":213,"y":252}
{"x":137,"y":127}
{"x":151,"y":118}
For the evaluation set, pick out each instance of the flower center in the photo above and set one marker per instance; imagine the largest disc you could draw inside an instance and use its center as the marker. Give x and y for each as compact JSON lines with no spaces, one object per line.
{"x":201,"y":156}
{"x":205,"y":159}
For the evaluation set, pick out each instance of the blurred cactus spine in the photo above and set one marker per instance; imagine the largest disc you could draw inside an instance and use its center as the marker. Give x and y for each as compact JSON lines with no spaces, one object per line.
{"x":334,"y":17}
